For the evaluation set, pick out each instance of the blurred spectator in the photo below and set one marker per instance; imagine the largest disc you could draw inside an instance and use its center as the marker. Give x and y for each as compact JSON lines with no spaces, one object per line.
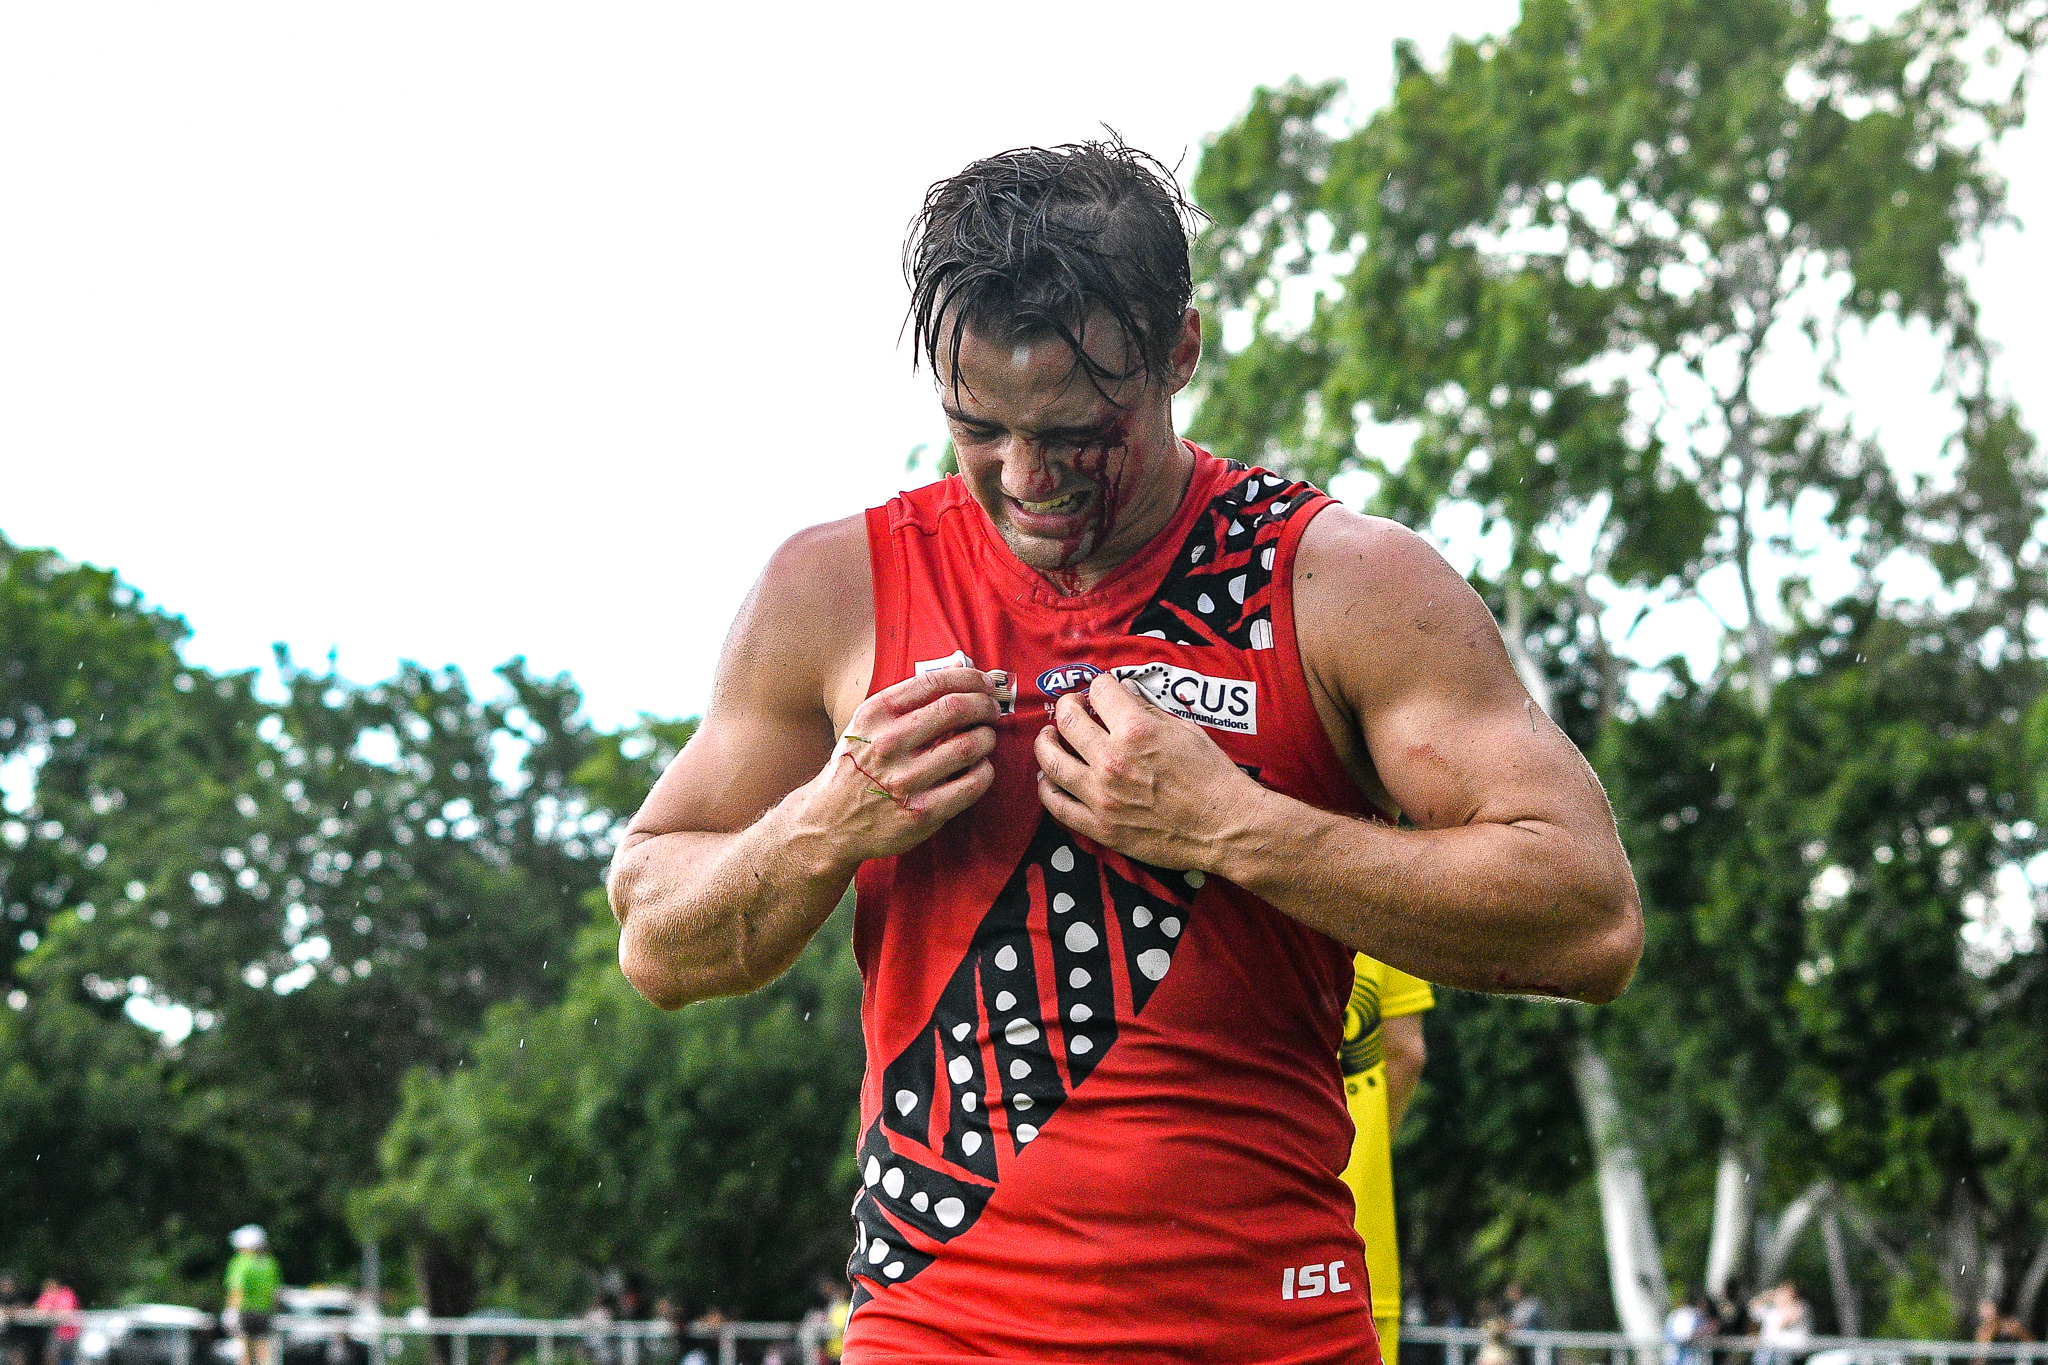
{"x":1525,"y":1311}
{"x":252,"y":1282}
{"x":713,"y":1319}
{"x":62,"y":1343}
{"x":1730,"y":1318}
{"x":599,"y":1347}
{"x":1995,"y":1326}
{"x":1690,"y":1320}
{"x":827,"y":1321}
{"x":17,"y":1341}
{"x":1495,"y":1350}
{"x":1784,"y":1324}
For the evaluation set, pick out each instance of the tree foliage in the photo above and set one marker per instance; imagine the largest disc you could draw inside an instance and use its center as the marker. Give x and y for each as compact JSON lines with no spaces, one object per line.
{"x":305,"y":897}
{"x":1595,"y":281}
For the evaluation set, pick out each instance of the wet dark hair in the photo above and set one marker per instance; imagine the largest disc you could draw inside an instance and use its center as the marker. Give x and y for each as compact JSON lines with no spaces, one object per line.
{"x":1028,"y":242}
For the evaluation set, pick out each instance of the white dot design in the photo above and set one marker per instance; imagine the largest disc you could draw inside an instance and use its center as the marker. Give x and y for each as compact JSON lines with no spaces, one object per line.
{"x":959,"y":1070}
{"x":1237,"y":586}
{"x":1078,"y":978}
{"x":1081,"y":937}
{"x":1141,"y":916}
{"x":873,"y":1172}
{"x":1005,"y":1000}
{"x":905,"y":1101}
{"x":892,"y":1182}
{"x":1153,"y":962}
{"x":961,"y":1030}
{"x":1262,"y":634}
{"x":1017,"y":1034}
{"x":1006,"y":958}
{"x":970,"y":1144}
{"x":1170,"y":926}
{"x":1062,"y":903}
{"x":1063,"y":859}
{"x":950,"y":1210}
{"x":1025,"y":1132}
{"x":1205,"y":604}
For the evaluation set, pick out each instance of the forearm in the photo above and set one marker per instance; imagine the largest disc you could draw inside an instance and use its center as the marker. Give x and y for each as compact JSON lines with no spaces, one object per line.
{"x":704,"y":915}
{"x":1526,"y":908}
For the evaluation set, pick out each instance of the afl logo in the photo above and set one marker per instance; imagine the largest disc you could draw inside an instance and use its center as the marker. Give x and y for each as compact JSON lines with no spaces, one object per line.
{"x":1066,"y":678}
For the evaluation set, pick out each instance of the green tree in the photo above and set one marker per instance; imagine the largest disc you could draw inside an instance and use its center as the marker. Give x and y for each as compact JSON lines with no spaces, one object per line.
{"x":1594,"y":280}
{"x":711,"y":1149}
{"x":307,"y":898}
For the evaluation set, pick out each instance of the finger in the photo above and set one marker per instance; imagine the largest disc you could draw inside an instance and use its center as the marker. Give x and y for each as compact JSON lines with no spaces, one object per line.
{"x":1117,"y":702}
{"x":1079,"y":728}
{"x":917,"y":772}
{"x":1071,"y":813}
{"x":947,"y":714}
{"x":1056,"y":761}
{"x":956,"y":794}
{"x":921,"y":689}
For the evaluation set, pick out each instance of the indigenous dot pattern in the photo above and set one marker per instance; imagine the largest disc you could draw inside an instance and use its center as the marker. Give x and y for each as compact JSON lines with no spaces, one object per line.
{"x":1220,"y":588}
{"x":929,"y":1161}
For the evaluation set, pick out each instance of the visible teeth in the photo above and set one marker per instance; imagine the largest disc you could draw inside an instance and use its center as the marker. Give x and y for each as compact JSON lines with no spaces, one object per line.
{"x":1055,"y":507}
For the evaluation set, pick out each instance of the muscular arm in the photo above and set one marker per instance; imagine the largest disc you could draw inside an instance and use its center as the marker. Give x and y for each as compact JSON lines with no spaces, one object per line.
{"x":1401,"y":1040}
{"x":1513,"y":879}
{"x":752,"y":834}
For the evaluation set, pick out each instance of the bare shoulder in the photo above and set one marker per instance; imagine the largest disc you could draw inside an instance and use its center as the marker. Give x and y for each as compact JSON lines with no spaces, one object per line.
{"x":1379,"y":612}
{"x":805,"y":632}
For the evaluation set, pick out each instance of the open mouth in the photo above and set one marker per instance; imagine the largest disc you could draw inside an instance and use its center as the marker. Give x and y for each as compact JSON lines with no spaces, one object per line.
{"x":1055,"y":507}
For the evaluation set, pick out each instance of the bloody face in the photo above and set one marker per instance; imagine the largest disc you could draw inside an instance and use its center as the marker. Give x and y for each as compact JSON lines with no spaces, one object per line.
{"x":1074,"y":479}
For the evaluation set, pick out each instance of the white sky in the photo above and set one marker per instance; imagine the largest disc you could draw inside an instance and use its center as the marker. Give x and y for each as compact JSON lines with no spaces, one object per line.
{"x":454,"y":331}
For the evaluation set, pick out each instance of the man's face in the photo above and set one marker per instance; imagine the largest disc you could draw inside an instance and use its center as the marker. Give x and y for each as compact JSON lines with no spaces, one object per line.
{"x":1075,"y":480}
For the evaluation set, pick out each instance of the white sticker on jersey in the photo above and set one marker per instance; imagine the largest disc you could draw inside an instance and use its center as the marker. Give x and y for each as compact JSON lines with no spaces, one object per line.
{"x":957,"y":659}
{"x":1219,"y":703}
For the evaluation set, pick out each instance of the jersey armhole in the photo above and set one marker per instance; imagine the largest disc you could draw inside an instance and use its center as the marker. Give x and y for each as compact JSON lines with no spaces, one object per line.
{"x":892,"y":605}
{"x":1338,"y":790}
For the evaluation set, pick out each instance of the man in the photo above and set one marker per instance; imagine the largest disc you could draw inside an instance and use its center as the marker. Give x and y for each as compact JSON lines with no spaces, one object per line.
{"x":1382,"y":1060}
{"x":252,"y":1283}
{"x":1111,"y":733}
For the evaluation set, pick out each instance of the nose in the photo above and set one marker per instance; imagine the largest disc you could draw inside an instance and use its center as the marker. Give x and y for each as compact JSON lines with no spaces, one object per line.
{"x":1031,"y":470}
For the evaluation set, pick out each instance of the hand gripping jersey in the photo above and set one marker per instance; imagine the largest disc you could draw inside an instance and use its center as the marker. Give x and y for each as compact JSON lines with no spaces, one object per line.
{"x":1102,"y":1118}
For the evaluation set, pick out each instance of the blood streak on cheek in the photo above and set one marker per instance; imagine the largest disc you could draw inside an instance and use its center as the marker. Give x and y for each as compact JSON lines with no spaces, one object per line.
{"x":1106,"y":465}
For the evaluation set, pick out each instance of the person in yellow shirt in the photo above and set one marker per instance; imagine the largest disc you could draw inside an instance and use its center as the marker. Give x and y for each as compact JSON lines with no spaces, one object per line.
{"x":1381,"y":1058}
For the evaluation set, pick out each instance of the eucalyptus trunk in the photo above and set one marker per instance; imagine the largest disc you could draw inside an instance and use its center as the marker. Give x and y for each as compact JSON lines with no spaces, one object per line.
{"x":1733,"y":1211}
{"x":1635,"y":1266}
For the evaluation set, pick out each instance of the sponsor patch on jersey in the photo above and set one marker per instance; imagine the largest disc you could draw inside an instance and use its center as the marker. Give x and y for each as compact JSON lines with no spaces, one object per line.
{"x":1066,"y":678}
{"x":1220,"y":703}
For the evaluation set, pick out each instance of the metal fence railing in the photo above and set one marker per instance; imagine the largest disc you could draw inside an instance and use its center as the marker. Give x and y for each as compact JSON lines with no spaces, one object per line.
{"x":1421,"y":1345}
{"x":184,"y":1336}
{"x":166,"y":1336}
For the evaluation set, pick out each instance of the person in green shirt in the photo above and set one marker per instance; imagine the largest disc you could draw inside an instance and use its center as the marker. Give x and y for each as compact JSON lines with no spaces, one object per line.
{"x":252,"y":1282}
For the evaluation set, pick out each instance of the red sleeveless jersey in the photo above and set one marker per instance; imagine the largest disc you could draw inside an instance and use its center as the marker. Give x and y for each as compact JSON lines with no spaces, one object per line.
{"x":1102,"y":1118}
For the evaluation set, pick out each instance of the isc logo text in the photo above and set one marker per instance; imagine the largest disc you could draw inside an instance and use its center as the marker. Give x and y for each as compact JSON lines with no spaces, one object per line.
{"x":1314,"y":1281}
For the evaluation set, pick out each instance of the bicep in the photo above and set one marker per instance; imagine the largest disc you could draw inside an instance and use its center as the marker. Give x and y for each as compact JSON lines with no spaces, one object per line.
{"x":1450,"y":729}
